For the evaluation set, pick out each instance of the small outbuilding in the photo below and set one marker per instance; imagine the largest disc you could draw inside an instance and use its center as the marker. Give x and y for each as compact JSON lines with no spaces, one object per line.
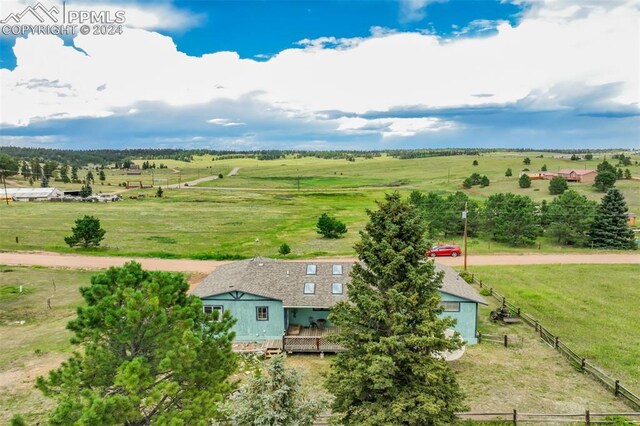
{"x":34,"y":194}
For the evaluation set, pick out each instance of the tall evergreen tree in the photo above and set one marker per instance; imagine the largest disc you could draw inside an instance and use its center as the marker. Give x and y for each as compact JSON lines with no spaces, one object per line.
{"x":44,"y":182}
{"x":512,"y":219}
{"x":609,"y":228}
{"x":25,"y":170}
{"x":390,"y":372}
{"x":64,"y":173}
{"x":148,"y":354}
{"x":74,"y":174}
{"x":570,"y":216}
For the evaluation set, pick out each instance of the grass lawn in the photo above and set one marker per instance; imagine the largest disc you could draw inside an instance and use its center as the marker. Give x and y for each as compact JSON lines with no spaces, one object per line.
{"x":224,"y":217}
{"x":42,"y":342}
{"x":528,"y":376}
{"x":592,"y":308}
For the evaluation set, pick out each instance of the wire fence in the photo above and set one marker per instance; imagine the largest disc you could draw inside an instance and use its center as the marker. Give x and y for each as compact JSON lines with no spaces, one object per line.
{"x":578,"y":362}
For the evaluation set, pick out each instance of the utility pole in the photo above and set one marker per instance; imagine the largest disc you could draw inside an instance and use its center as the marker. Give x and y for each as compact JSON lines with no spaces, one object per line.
{"x":464,"y":216}
{"x":4,"y":181}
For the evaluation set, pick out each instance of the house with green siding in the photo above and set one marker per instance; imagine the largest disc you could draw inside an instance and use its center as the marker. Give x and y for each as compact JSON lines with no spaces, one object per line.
{"x":285,"y":304}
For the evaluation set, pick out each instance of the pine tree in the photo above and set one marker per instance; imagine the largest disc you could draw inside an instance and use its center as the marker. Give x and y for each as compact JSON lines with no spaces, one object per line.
{"x":276,"y":397}
{"x":64,"y":173}
{"x":147,"y":354}
{"x":609,"y":228}
{"x":74,"y":174}
{"x":25,"y":170}
{"x":543,"y":168}
{"x":44,"y":182}
{"x":102,"y":176}
{"x":570,"y":216}
{"x":390,"y":372}
{"x":508,"y":173}
{"x":526,"y":161}
{"x":557,"y":185}
{"x":89,"y":177}
{"x":627,"y":174}
{"x":524,"y":181}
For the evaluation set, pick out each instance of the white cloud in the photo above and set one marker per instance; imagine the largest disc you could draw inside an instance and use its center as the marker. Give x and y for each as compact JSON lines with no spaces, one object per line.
{"x":414,"y":10}
{"x":224,"y":122}
{"x":550,"y":58}
{"x":393,"y":127}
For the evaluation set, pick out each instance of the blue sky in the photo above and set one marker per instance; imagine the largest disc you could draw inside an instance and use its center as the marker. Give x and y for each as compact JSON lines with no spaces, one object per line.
{"x":331,"y":74}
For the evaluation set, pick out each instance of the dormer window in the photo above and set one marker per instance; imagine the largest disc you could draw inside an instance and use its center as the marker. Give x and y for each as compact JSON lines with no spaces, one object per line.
{"x":337,"y":270}
{"x":311,"y":269}
{"x":309,"y":288}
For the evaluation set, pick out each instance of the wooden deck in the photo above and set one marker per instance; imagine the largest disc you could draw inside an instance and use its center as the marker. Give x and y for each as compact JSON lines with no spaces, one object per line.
{"x":310,"y":339}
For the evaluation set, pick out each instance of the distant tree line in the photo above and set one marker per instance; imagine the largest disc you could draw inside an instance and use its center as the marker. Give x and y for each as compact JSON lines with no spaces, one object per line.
{"x":112,"y":156}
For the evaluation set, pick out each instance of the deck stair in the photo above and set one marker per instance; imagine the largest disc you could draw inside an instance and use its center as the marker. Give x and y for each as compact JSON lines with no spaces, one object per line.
{"x":272,"y":347}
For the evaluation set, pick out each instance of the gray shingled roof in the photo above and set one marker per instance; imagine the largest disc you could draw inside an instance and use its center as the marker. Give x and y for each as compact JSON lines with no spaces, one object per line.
{"x":284,"y":280}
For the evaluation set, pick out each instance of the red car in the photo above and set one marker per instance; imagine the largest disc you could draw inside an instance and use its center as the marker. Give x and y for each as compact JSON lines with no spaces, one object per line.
{"x":446,"y":250}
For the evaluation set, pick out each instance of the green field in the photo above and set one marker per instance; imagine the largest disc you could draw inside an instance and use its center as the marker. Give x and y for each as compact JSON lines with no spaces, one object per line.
{"x":225,"y":217}
{"x":592,"y":308}
{"x":529,"y":376}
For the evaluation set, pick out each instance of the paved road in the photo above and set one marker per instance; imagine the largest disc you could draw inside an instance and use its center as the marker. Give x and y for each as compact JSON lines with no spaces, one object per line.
{"x":205,"y":266}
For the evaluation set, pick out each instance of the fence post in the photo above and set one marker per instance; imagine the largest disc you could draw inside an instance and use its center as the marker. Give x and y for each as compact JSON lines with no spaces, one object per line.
{"x":317,"y":343}
{"x":479,"y":337}
{"x":556,"y":342}
{"x":536,"y":325}
{"x":583,"y":363}
{"x":617,"y":389}
{"x":587,"y":418}
{"x":504,"y":301}
{"x":515,"y":417}
{"x":506,"y":341}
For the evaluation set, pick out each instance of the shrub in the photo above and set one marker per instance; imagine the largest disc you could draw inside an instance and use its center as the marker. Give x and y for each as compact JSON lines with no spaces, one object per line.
{"x":330,"y":227}
{"x":475,"y":162}
{"x":508,"y":173}
{"x":284,"y":249}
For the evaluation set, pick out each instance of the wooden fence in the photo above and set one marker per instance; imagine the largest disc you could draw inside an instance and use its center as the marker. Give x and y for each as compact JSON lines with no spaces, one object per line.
{"x":516,"y":418}
{"x":580,"y":363}
{"x":587,"y":418}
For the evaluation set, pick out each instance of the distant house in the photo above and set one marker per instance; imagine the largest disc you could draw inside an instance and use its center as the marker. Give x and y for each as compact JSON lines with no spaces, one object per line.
{"x":285,"y":304}
{"x":582,"y":176}
{"x":33,"y":194}
{"x":540,"y":175}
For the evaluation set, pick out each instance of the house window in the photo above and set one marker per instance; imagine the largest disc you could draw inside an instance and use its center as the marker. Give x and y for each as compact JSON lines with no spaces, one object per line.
{"x":450,"y":306}
{"x":337,"y":269}
{"x":309,"y":288}
{"x":311,"y":269}
{"x":211,"y":309}
{"x":336,"y":288}
{"x":262,"y":313}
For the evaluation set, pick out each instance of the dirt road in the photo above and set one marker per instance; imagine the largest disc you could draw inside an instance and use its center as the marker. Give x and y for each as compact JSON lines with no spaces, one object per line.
{"x":205,"y":266}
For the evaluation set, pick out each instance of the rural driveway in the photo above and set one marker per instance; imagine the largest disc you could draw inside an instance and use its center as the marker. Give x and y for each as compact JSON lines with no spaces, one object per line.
{"x":49,"y":259}
{"x":189,"y":183}
{"x":234,"y":171}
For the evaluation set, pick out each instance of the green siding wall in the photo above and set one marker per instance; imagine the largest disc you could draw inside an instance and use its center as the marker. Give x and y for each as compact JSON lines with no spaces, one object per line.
{"x":248,"y":328}
{"x":466,"y":319}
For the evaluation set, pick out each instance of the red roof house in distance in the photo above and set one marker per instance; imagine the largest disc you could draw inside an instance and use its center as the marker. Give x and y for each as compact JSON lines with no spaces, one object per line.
{"x":582,"y":176}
